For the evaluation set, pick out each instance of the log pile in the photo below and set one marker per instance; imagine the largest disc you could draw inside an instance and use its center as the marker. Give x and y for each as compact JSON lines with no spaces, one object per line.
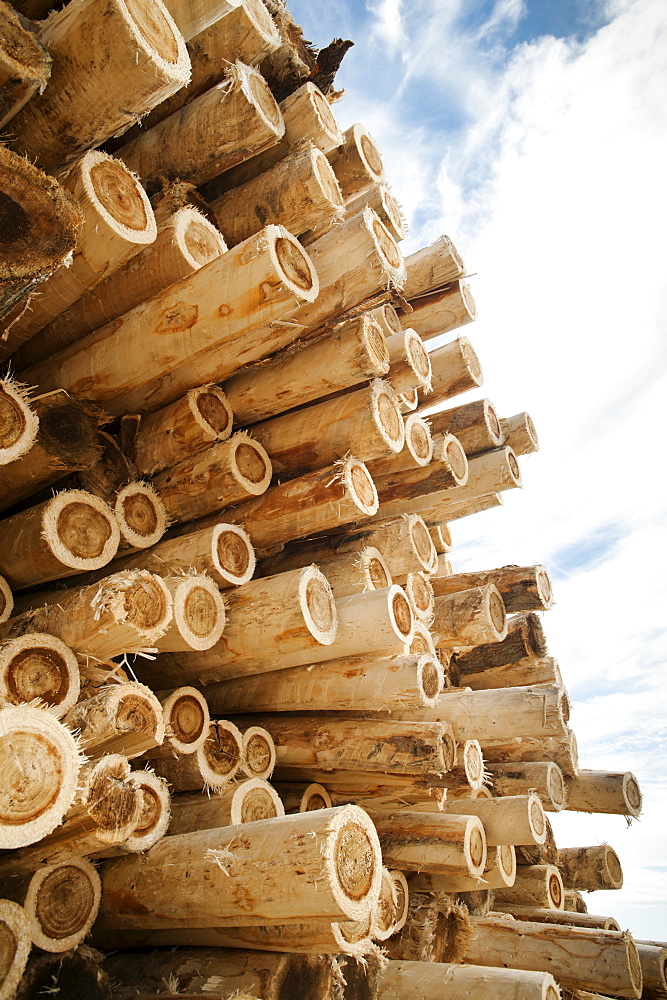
{"x":247,"y":707}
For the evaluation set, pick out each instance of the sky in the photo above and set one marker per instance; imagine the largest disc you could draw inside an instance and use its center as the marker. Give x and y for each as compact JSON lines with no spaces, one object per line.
{"x":534,"y":133}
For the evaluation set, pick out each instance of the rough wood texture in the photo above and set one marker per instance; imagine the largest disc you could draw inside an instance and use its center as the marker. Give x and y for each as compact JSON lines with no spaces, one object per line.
{"x":562,"y":750}
{"x":112,"y":62}
{"x":408,"y":489}
{"x":70,"y":533}
{"x":418,"y":450}
{"x":39,"y":666}
{"x":366,"y":423}
{"x":522,"y":588}
{"x":123,"y":613}
{"x":360,"y":682}
{"x":520,"y":433}
{"x":380,"y":198}
{"x":469,"y":617}
{"x":66,"y":441}
{"x":19,"y":423}
{"x":536,"y":914}
{"x":436,"y":930}
{"x":525,"y":638}
{"x":121,"y":718}
{"x":224,"y":551}
{"x":446,"y":844}
{"x":357,"y":163}
{"x":432,"y":267}
{"x":336,"y":873}
{"x":442,"y":311}
{"x":117,"y":222}
{"x":352,"y":353}
{"x":213,"y":765}
{"x":578,"y":958}
{"x":14,"y":948}
{"x":300,"y":192}
{"x":60,"y":901}
{"x":527,"y":671}
{"x":410,"y":366}
{"x":475,"y":424}
{"x":514,"y":819}
{"x":500,"y":871}
{"x":39,"y":766}
{"x":41,"y":223}
{"x":455,"y":369}
{"x":228,"y":124}
{"x":193,"y":16}
{"x":604,"y":792}
{"x":232,"y":972}
{"x":546,"y":779}
{"x":653,"y":961}
{"x":198,"y":614}
{"x":141,"y":516}
{"x":590,"y":868}
{"x":242,"y":802}
{"x":438,"y":981}
{"x":110,"y":473}
{"x":534,"y":885}
{"x":25,"y":65}
{"x":185,"y":242}
{"x":348,"y":573}
{"x":233,"y":287}
{"x":186,"y":720}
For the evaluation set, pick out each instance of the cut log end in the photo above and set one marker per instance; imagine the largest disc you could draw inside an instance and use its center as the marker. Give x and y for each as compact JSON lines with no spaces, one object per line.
{"x":154,"y":811}
{"x":387,"y":248}
{"x":211,"y":410}
{"x":198,"y":239}
{"x":255,"y":800}
{"x":199,"y":611}
{"x":80,"y":530}
{"x":233,"y":554}
{"x":250,"y":464}
{"x":118,"y":197}
{"x":384,"y":912}
{"x":186,"y":719}
{"x":375,"y":344}
{"x":141,"y":515}
{"x":109,"y":800}
{"x":449,"y":450}
{"x":62,"y":902}
{"x":359,"y":485}
{"x":315,"y":796}
{"x":402,"y":899}
{"x":418,"y":439}
{"x":419,"y":358}
{"x":400,"y":613}
{"x":7,"y":600}
{"x":39,"y":766}
{"x":18,"y":423}
{"x":222,"y":754}
{"x":157,"y":35}
{"x":473,"y":763}
{"x":15,"y":945}
{"x":147,"y":603}
{"x":292,"y":264}
{"x":259,"y":753}
{"x":352,"y":860}
{"x":39,"y":666}
{"x":430,"y":677}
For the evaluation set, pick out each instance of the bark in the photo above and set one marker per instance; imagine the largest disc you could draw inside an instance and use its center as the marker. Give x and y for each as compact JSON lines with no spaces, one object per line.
{"x":25,"y":65}
{"x":525,"y":638}
{"x":590,"y":868}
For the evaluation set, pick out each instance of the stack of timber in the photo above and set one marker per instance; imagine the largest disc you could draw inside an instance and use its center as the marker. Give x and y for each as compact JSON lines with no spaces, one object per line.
{"x":255,"y":731}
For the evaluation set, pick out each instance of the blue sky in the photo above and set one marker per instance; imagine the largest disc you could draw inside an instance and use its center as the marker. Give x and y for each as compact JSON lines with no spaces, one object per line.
{"x":535,"y":135}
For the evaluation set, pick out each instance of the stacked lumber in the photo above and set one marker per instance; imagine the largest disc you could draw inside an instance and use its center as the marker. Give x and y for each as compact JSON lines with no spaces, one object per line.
{"x":248,"y":709}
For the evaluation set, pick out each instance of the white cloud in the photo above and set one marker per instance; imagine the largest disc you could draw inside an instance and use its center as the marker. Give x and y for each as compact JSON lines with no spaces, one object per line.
{"x":388,"y":26}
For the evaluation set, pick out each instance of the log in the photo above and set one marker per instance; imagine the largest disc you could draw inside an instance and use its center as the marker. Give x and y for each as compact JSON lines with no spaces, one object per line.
{"x":258,"y":759}
{"x":366,"y":422}
{"x":224,"y":551}
{"x":402,"y":899}
{"x":441,"y":537}
{"x":243,"y":31}
{"x":330,"y":857}
{"x":507,"y":712}
{"x":374,"y":746}
{"x":469,"y":617}
{"x":242,"y":802}
{"x":442,"y":311}
{"x":74,"y":974}
{"x":654,"y":970}
{"x":361,"y":682}
{"x":348,"y":573}
{"x":70,"y":533}
{"x":534,"y":885}
{"x":418,"y":450}
{"x":474,"y":424}
{"x":227,"y":972}
{"x":122,"y":718}
{"x":110,"y":472}
{"x":500,"y":872}
{"x":488,"y":472}
{"x":354,"y":261}
{"x":352,"y":353}
{"x":198,"y":614}
{"x":380,"y":198}
{"x":525,"y":638}
{"x":590,"y":868}
{"x":274,"y":620}
{"x":213,"y":765}
{"x":193,"y":16}
{"x":300,"y":192}
{"x":97,"y":91}
{"x":455,"y":368}
{"x":316,"y":938}
{"x":514,"y":819}
{"x":190,"y":312}
{"x":190,"y":425}
{"x":19,"y":423}
{"x":60,"y":902}
{"x":410,"y":365}
{"x":417,"y":841}
{"x":578,"y":958}
{"x":537,"y":914}
{"x":15,"y":946}
{"x":384,"y":911}
{"x":208,"y":481}
{"x":6,"y":600}
{"x":421,"y":597}
{"x":423,"y":643}
{"x":105,"y":812}
{"x":432,"y":267}
{"x":41,"y":222}
{"x":154,"y":814}
{"x":186,"y":721}
{"x":123,"y":613}
{"x":520,"y":433}
{"x":66,"y":441}
{"x":527,"y":672}
{"x":522,"y":588}
{"x":141,"y":516}
{"x":39,"y":667}
{"x":604,"y":792}
{"x":357,"y":162}
{"x":436,"y":930}
{"x":409,"y":400}
{"x":302,"y":797}
{"x":562,"y":750}
{"x":118,"y":221}
{"x":25,"y":65}
{"x":447,"y":471}
{"x":546,"y":779}
{"x":312,"y":503}
{"x":184,"y":243}
{"x":574,"y":901}
{"x":228,"y":124}
{"x":39,"y":761}
{"x":438,"y":981}
{"x":454,"y":511}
